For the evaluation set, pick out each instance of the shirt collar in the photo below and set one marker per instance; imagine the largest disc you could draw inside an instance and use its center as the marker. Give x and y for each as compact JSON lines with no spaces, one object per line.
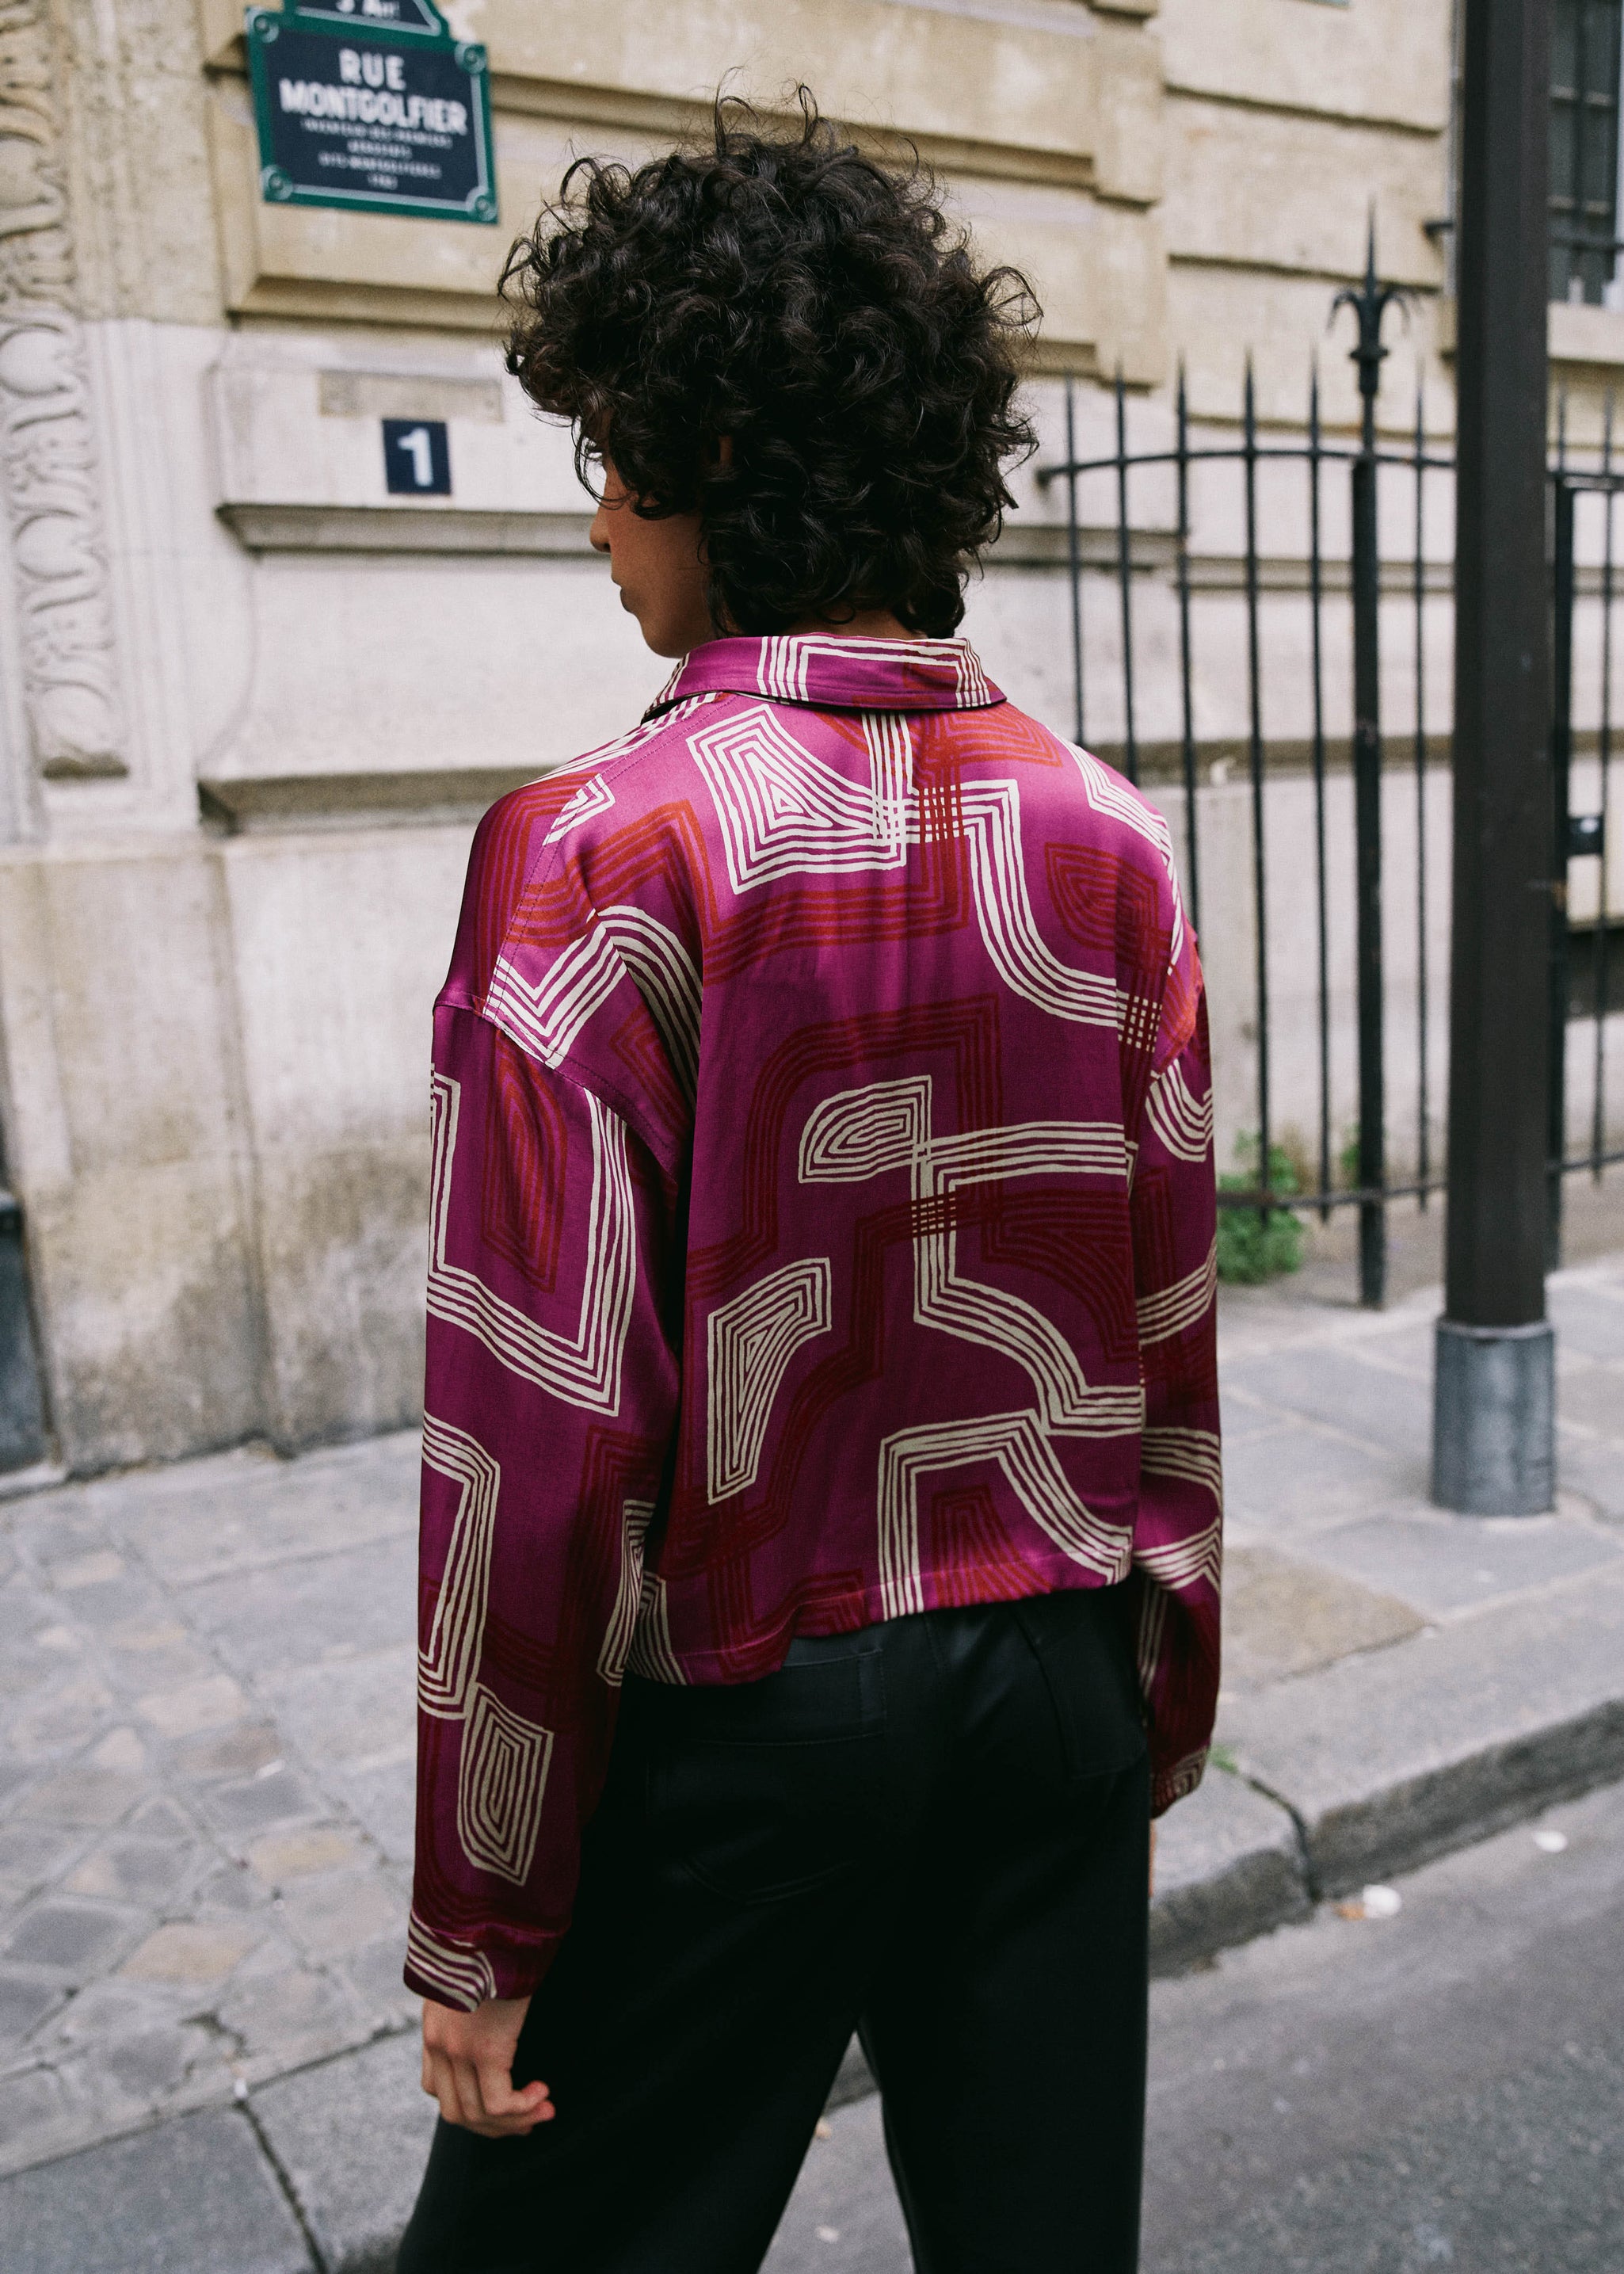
{"x":836,"y":674}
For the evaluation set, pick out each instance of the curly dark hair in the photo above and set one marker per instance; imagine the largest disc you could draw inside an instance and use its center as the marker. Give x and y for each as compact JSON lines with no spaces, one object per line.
{"x":780,"y":289}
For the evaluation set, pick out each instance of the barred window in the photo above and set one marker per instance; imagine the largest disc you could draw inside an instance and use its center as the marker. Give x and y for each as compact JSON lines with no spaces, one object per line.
{"x":1584,"y":152}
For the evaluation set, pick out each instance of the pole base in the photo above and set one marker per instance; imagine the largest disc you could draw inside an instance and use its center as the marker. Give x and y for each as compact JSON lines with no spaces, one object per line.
{"x":1494,"y":1419}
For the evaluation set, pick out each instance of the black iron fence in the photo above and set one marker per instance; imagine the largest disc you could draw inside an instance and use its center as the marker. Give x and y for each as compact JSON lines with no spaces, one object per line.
{"x":1256,"y":598}
{"x":1586,"y":968}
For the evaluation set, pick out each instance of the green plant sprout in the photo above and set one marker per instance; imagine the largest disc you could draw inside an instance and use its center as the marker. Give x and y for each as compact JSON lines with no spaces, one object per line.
{"x":1253,"y":1247}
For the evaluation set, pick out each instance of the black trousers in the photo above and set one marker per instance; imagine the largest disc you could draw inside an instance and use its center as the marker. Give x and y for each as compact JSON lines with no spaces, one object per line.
{"x":934,"y":1831}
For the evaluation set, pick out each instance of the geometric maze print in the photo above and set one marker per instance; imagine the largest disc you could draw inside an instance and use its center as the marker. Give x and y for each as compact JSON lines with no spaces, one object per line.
{"x":636,"y":1516}
{"x":1184,"y":1561}
{"x":503,"y":1772}
{"x":545,"y":1016}
{"x":652,"y":1655}
{"x":637,"y":1637}
{"x":786,"y":661}
{"x":463,"y":1977}
{"x":1153,"y":1632}
{"x":1019,"y":951}
{"x":1192,"y":1455}
{"x":583,"y":1368}
{"x":1020,"y":1444}
{"x":594,"y":796}
{"x":446,"y":1666}
{"x":1183,"y":1305}
{"x":665,"y":975}
{"x":1184,"y":1126}
{"x":750,"y":1343}
{"x":797,"y":667}
{"x":860,"y":1133}
{"x":1110,"y":795}
{"x":783,"y":812}
{"x":502,"y":1777}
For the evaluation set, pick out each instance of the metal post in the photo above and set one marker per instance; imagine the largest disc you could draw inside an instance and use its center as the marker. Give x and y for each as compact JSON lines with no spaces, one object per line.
{"x":1370,"y":303}
{"x":1492,"y":1446}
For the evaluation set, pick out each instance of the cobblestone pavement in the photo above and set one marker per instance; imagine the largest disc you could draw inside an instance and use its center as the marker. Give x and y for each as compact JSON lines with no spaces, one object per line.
{"x":206,"y":1765}
{"x":205,"y":1680}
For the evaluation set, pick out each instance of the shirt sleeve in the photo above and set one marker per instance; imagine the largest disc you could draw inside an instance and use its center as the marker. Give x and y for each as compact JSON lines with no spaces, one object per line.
{"x":1179,"y":1535}
{"x":551,"y":1400}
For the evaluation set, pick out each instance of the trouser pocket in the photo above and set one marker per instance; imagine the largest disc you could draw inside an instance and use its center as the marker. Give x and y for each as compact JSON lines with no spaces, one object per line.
{"x":1079,"y":1638}
{"x":767,"y":1789}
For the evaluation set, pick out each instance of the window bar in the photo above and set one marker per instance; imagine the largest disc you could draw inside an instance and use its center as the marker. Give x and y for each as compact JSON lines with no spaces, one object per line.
{"x":1561,"y":748}
{"x":1259,"y":879}
{"x":1192,"y":864}
{"x":1316,"y":594}
{"x":1600,"y":943}
{"x":1124,"y":576}
{"x":1074,"y":563}
{"x":1581,"y":120}
{"x":1423,"y":1151}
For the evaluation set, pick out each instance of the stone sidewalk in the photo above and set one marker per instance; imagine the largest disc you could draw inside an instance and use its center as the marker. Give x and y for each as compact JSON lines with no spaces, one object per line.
{"x":206,"y":1782}
{"x":206,"y":1677}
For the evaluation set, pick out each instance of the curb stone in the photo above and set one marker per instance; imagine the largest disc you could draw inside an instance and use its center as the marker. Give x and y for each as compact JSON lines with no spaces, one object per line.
{"x":1395,"y":1755}
{"x":1229,"y":1867}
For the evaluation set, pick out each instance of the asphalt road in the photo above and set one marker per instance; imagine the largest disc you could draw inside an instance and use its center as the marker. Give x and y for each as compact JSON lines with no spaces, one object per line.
{"x":1440,"y":2089}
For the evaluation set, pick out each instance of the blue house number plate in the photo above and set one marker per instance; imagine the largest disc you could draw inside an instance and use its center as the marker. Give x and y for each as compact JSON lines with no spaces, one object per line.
{"x":416,"y":457}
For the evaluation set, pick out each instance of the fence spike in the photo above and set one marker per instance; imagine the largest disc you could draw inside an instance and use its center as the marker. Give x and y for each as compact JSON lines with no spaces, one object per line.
{"x":1186,"y":661}
{"x":1124,"y":580}
{"x":1075,"y":565}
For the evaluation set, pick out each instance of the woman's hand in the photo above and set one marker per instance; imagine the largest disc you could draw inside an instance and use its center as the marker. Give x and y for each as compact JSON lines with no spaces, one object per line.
{"x":468,"y":2068}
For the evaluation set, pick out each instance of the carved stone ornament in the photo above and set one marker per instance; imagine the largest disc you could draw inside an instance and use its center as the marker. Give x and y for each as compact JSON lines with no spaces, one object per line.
{"x":48,"y":457}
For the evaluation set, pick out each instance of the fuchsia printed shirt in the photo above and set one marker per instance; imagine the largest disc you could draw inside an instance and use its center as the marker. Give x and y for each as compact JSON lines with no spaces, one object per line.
{"x":823,"y":1229}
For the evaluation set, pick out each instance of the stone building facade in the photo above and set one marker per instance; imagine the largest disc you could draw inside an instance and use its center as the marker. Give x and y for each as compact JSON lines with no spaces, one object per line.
{"x":251,"y":703}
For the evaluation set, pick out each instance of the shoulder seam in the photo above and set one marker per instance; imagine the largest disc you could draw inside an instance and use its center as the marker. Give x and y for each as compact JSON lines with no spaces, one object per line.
{"x":550,"y":857}
{"x":589,"y":1083}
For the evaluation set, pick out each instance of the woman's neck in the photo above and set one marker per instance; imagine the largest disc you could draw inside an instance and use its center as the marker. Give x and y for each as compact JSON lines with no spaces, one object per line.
{"x":868,"y":623}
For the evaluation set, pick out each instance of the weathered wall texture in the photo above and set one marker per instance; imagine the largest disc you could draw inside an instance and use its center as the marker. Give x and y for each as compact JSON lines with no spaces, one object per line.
{"x":250,"y":706}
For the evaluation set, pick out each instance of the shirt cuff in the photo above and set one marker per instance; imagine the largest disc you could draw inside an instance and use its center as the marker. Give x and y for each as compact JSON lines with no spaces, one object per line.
{"x":465,"y":1975}
{"x":1176,"y":1783}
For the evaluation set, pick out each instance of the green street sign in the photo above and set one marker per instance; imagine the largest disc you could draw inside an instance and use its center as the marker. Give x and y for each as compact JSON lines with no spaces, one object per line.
{"x":373,"y":106}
